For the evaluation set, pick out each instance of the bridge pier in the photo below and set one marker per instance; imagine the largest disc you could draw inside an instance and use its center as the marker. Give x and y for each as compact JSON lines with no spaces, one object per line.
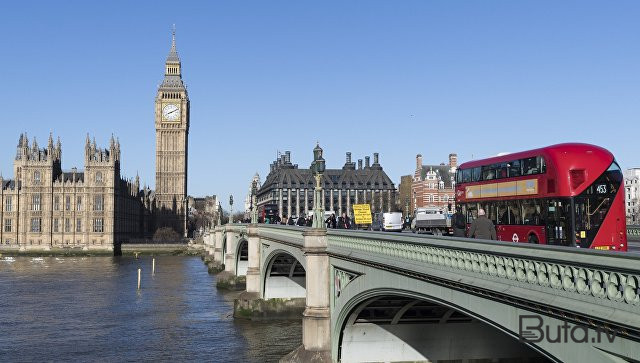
{"x":251,"y":304}
{"x":253,"y":270}
{"x":214,"y":261}
{"x":316,"y":320}
{"x":227,"y":279}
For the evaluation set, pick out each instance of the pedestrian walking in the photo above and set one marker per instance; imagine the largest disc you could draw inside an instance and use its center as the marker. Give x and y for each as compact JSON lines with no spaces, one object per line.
{"x":482,"y":227}
{"x":459,"y":223}
{"x":344,"y":222}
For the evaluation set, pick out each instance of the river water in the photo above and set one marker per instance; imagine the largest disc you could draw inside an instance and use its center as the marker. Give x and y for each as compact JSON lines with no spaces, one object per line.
{"x":88,"y":309}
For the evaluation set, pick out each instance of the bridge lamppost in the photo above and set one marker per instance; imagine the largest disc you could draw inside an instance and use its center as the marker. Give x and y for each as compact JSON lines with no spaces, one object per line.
{"x":254,"y":205}
{"x":318,"y":167}
{"x":230,"y":209}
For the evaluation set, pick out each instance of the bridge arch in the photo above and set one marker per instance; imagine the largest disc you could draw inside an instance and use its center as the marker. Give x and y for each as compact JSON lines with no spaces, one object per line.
{"x":401,"y":325}
{"x":284,"y":276}
{"x":242,"y":257}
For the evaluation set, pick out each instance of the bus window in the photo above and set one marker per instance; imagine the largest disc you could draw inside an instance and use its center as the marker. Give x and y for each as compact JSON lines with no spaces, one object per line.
{"x":530,"y":166}
{"x":502,"y":213}
{"x":558,"y":221}
{"x":531,"y":213}
{"x":542,"y":165}
{"x":592,"y":205}
{"x":490,"y":210}
{"x":466,"y":175}
{"x":513,"y":168}
{"x":488,"y":172}
{"x":476,"y":174}
{"x":501,"y":170}
{"x":515,"y":217}
{"x":471,"y":212}
{"x":458,"y":176}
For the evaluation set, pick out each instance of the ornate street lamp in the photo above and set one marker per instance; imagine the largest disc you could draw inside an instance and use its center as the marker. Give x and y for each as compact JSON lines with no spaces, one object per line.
{"x":318,"y":167}
{"x":231,"y":209}
{"x":254,"y":206}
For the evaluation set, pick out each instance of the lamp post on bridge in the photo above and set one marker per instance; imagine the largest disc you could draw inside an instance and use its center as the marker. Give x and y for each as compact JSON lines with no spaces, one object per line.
{"x":230,"y":209}
{"x":254,"y":206}
{"x":318,"y":167}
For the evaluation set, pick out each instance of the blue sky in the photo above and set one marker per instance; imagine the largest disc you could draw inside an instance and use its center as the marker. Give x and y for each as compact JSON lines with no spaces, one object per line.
{"x":394,"y":77}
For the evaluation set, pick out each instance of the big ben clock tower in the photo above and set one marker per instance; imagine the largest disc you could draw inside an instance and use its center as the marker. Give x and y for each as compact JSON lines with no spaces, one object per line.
{"x":172,"y":144}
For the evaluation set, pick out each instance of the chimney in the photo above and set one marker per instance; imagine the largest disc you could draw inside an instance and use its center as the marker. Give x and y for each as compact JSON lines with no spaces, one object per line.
{"x":375,"y":158}
{"x":366,"y":162}
{"x":348,"y":158}
{"x":359,"y":164}
{"x":418,"y":161}
{"x":453,"y":161}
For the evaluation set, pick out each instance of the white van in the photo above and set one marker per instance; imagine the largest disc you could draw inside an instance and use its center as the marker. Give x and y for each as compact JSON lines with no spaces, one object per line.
{"x":392,"y":221}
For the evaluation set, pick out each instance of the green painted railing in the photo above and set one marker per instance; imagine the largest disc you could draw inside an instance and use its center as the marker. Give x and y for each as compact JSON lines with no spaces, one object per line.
{"x":633,"y":233}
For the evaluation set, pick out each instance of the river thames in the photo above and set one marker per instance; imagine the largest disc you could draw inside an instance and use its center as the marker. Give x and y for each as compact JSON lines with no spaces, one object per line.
{"x":88,"y":309}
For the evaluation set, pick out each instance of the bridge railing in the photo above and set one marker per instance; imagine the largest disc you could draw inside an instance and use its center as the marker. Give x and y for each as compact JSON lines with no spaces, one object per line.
{"x":633,"y":233}
{"x":602,"y":278}
{"x":291,"y":235}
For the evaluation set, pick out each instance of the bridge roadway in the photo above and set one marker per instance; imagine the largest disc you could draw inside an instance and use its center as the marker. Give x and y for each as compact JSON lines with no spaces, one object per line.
{"x":373,"y":296}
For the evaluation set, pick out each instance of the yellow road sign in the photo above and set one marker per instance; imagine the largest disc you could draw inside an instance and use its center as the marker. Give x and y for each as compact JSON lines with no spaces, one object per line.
{"x":362,"y":213}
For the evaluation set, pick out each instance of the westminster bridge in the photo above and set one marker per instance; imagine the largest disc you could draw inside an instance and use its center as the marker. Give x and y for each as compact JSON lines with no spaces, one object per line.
{"x":374,"y":296}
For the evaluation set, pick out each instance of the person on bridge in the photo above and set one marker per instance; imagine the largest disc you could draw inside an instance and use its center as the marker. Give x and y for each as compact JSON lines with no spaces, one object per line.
{"x":331,"y":221}
{"x":301,"y":222}
{"x":482,"y":227}
{"x":459,"y":223}
{"x":344,"y":222}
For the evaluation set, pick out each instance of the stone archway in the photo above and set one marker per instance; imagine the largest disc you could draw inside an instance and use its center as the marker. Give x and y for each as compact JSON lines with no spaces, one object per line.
{"x":285,"y":277}
{"x":400,"y":327}
{"x":242,"y":257}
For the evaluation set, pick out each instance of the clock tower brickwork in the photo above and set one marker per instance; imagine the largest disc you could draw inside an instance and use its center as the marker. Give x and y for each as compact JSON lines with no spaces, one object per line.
{"x":172,"y":141}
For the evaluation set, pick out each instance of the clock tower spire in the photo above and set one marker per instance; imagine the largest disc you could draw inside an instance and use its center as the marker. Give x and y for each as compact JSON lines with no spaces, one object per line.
{"x":172,"y":141}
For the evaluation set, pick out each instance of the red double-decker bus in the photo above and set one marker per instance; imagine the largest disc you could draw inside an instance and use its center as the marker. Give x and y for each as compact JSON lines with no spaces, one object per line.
{"x":566,"y":194}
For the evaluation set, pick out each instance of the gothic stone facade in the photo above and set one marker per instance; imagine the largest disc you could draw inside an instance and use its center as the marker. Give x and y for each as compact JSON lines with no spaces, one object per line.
{"x":44,"y":207}
{"x":172,"y":142}
{"x":434,"y":185}
{"x":291,"y":188}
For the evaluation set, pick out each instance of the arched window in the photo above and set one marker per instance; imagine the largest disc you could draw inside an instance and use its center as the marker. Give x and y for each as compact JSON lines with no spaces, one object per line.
{"x":36,"y":176}
{"x":98,"y":177}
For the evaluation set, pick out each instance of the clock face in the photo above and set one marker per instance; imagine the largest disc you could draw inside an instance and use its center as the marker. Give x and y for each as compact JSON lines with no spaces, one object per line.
{"x":171,"y":112}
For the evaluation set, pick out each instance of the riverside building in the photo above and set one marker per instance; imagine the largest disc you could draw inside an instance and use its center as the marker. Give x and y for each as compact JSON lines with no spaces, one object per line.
{"x":288,"y":190}
{"x":95,"y":208}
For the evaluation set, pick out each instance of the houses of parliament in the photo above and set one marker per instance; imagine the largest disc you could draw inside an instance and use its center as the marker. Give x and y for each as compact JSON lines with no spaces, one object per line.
{"x":44,"y":207}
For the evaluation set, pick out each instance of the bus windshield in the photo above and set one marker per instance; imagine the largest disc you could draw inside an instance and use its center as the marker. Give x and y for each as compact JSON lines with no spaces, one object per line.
{"x":592,"y":205}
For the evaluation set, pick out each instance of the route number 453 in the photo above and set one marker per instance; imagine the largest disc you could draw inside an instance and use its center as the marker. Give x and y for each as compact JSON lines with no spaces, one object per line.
{"x":601,"y":189}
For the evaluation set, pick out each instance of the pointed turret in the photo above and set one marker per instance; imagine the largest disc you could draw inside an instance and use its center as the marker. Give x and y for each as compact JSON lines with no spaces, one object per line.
{"x":19,"y":147}
{"x":50,"y":143}
{"x":173,"y":53}
{"x":172,"y":69}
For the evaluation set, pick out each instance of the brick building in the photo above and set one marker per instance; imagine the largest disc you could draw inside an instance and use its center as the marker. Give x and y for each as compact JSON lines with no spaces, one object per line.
{"x":434,"y":185}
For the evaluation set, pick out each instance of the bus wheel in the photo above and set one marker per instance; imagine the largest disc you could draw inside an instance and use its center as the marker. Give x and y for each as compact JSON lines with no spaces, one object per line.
{"x":533,"y":239}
